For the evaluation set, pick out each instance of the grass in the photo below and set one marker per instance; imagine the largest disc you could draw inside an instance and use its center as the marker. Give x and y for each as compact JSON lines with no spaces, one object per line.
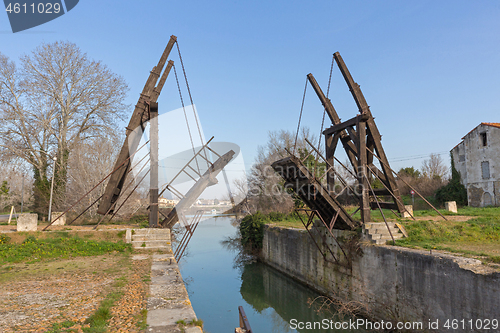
{"x":98,"y":321}
{"x":195,"y":322}
{"x":61,"y":246}
{"x":62,"y":327}
{"x":479,"y":236}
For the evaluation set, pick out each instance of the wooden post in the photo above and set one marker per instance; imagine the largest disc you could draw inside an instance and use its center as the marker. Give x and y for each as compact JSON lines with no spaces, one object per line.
{"x":362,"y":174}
{"x":153,"y":183}
{"x":10,"y":216}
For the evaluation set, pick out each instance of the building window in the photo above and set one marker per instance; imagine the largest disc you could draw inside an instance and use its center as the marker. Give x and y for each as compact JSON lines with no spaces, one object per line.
{"x":484,"y":139}
{"x":485,"y":168}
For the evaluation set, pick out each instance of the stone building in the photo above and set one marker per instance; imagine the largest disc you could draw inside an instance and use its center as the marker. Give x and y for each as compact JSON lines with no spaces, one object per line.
{"x":477,"y":158}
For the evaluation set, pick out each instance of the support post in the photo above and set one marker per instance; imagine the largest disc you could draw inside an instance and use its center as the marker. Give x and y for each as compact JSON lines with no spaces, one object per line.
{"x":362,"y":174}
{"x":52,"y":189}
{"x":153,"y":184}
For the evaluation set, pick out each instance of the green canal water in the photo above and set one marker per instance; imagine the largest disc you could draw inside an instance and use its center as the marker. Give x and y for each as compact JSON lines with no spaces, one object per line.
{"x":218,"y":281}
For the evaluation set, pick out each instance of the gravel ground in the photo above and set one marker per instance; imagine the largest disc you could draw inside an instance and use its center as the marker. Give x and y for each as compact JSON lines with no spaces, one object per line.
{"x":36,"y":303}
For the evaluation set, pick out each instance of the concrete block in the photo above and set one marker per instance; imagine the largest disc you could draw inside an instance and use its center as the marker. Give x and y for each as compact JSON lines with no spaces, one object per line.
{"x":60,"y":221}
{"x":27,"y":222}
{"x":451,"y":206}
{"x":409,"y":208}
{"x":128,"y":236}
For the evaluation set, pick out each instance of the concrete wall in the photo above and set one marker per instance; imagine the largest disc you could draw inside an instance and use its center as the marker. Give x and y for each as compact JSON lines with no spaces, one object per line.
{"x":391,"y":283}
{"x":27,"y":222}
{"x":60,"y":221}
{"x":468,"y":157}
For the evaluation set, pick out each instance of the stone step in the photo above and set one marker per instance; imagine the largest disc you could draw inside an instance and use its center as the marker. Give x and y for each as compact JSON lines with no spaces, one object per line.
{"x":379,"y":236}
{"x":396,"y":236}
{"x":150,"y":244}
{"x":384,"y":231}
{"x":384,"y":240}
{"x":151,"y":237}
{"x":375,"y":225}
{"x":150,"y":231}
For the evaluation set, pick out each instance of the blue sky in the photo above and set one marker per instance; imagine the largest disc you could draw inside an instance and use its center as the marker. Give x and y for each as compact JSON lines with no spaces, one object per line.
{"x":429,"y":69}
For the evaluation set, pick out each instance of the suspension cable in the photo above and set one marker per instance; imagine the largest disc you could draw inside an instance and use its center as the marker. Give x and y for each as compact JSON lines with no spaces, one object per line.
{"x":185,"y":115}
{"x":300,"y":117}
{"x":191,"y":100}
{"x":324,"y":110}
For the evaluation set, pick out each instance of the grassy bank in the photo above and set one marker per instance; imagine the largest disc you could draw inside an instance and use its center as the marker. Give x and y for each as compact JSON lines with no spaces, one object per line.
{"x":471,"y":231}
{"x":60,"y":245}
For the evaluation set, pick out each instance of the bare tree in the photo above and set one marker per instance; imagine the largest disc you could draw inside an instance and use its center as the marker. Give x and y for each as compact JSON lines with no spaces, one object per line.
{"x":57,"y":99}
{"x":265,"y":192}
{"x":434,"y":167}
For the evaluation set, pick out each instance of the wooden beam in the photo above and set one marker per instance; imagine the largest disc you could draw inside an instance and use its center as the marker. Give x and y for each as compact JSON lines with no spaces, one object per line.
{"x":349,"y":123}
{"x":117,"y":180}
{"x":375,"y":140}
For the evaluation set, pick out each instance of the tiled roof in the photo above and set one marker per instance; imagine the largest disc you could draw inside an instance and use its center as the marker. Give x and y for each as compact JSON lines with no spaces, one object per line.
{"x":492,"y":124}
{"x":487,"y":124}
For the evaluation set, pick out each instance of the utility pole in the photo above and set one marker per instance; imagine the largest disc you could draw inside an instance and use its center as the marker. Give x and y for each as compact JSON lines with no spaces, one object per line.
{"x":22,"y":195}
{"x":49,"y":218}
{"x":153,"y":180}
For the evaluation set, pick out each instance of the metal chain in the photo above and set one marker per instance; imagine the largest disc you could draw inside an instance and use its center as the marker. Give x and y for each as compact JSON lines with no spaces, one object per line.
{"x":185,"y":116}
{"x":300,"y":117}
{"x":192,"y":103}
{"x":324,"y":111}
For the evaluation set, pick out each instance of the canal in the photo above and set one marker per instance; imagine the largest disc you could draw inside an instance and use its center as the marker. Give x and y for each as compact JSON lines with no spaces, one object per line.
{"x":219,"y":280}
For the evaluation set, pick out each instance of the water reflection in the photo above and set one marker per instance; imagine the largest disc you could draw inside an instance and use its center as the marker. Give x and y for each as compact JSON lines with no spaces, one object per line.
{"x":221,"y":278}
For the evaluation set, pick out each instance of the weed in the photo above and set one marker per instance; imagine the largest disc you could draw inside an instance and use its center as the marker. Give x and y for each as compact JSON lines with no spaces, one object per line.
{"x":98,"y":321}
{"x":33,"y":249}
{"x":196,"y":322}
{"x":58,"y":327}
{"x":4,"y":239}
{"x":121,"y":233}
{"x":142,"y":319}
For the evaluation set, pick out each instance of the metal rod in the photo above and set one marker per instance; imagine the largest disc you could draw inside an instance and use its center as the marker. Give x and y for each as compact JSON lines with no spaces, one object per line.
{"x":380,"y":208}
{"x":67,"y":210}
{"x":124,"y":201}
{"x":392,"y":194}
{"x":407,"y":184}
{"x":244,"y":323}
{"x":330,"y":166}
{"x":86,"y":209}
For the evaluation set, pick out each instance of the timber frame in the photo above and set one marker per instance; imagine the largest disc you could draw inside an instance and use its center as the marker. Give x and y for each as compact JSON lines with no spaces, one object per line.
{"x":361,"y":140}
{"x":140,"y":117}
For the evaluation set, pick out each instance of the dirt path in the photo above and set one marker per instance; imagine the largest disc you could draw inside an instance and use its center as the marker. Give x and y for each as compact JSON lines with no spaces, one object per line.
{"x":59,"y":296}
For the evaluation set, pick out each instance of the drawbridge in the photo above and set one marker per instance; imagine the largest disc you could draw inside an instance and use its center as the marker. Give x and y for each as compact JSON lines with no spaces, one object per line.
{"x":317,"y":186}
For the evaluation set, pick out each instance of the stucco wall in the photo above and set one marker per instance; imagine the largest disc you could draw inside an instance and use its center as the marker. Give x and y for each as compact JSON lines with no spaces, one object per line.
{"x":393,"y":283}
{"x":480,"y":191}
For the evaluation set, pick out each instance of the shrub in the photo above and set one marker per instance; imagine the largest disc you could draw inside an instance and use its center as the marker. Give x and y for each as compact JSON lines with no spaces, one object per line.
{"x":252,"y":231}
{"x":454,"y":190}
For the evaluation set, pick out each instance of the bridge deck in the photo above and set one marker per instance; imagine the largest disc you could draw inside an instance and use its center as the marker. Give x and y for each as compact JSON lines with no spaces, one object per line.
{"x":312,"y":192}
